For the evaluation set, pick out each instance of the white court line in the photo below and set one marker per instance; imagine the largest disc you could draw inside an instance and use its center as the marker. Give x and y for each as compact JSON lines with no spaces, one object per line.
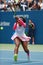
{"x":9,"y":50}
{"x":19,"y":50}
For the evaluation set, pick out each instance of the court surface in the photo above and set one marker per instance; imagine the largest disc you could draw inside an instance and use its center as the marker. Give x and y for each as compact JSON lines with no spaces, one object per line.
{"x":36,"y":56}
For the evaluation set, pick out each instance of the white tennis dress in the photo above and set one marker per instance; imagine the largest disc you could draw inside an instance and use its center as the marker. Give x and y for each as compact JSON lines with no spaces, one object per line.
{"x":20,"y":33}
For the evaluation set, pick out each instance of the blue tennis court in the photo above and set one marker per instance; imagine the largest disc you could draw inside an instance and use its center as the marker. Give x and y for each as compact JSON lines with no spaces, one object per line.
{"x":6,"y":58}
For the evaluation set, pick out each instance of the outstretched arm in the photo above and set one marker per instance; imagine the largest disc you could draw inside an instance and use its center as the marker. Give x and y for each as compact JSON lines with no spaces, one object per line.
{"x":21,"y":22}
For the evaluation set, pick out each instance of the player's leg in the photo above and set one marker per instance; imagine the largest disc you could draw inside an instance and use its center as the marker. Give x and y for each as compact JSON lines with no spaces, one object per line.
{"x":32,"y":36}
{"x":33,"y":40}
{"x":25,"y":47}
{"x":17,"y":43}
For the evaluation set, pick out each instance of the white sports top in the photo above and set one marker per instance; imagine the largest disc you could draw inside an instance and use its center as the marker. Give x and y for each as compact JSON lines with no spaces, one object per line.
{"x":20,"y":30}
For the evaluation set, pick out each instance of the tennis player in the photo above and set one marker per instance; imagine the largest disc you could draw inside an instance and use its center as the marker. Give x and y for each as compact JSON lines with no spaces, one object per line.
{"x":20,"y":36}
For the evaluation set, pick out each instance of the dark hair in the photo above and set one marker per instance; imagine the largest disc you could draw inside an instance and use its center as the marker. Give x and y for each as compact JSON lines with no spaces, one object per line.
{"x":23,"y":19}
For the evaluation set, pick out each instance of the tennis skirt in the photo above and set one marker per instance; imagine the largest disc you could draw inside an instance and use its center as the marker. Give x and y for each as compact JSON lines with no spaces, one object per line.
{"x":23,"y":37}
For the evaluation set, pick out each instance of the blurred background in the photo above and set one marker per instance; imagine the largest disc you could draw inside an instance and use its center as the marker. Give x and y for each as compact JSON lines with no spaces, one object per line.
{"x":29,"y":9}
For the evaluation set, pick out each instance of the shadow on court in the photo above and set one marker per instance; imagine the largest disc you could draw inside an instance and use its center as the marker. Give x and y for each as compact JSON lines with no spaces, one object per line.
{"x":6,"y":58}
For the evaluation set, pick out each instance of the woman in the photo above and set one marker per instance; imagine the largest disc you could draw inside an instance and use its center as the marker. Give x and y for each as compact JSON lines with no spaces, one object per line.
{"x":19,"y":36}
